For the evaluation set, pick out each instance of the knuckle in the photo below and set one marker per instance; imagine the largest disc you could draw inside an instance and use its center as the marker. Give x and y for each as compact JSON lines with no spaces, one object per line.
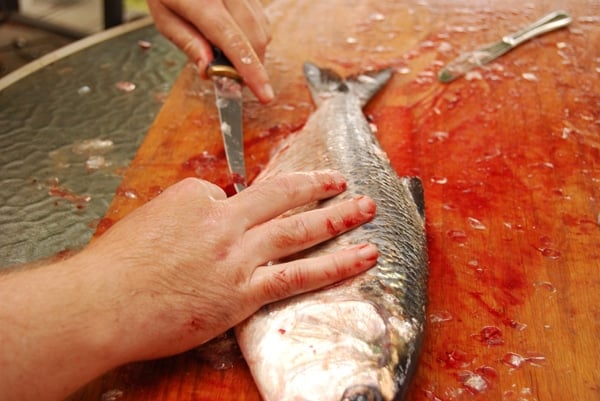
{"x":328,"y":180}
{"x":334,"y":226}
{"x":201,"y":188}
{"x":277,"y":286}
{"x":187,"y":45}
{"x":189,"y":183}
{"x":343,"y":217}
{"x":288,"y":186}
{"x":294,"y":232}
{"x":339,"y":265}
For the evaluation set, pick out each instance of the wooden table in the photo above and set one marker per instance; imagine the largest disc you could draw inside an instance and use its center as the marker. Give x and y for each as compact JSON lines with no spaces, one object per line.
{"x":510,"y":159}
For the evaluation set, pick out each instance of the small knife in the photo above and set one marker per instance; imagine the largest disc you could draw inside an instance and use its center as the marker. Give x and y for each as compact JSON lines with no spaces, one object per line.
{"x":228,"y":93}
{"x":467,"y":61}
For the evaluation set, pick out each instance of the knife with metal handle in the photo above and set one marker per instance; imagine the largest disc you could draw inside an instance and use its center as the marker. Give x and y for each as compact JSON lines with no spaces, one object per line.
{"x":467,"y":61}
{"x":228,"y":93}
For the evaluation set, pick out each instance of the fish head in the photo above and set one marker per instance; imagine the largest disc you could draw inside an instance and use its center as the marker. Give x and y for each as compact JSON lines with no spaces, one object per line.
{"x":334,"y":351}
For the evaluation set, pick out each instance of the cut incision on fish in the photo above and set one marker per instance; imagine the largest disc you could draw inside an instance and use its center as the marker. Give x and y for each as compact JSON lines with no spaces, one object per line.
{"x":358,"y":340}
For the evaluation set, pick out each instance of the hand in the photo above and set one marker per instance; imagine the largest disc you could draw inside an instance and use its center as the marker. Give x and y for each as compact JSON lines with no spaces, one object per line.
{"x":238,"y":27}
{"x":197,"y":263}
{"x":174,"y":273}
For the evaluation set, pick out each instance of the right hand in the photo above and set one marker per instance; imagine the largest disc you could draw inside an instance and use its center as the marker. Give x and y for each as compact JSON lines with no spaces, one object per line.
{"x":238,"y":27}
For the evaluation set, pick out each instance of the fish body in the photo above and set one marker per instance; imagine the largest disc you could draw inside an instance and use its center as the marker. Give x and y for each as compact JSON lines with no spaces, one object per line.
{"x":358,"y":340}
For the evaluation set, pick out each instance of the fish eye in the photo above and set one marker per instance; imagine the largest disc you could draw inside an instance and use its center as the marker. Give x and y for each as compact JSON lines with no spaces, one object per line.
{"x":362,"y":393}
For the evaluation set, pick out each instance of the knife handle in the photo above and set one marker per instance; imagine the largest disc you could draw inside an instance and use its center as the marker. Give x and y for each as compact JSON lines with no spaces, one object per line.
{"x":549,"y":22}
{"x":220,"y":66}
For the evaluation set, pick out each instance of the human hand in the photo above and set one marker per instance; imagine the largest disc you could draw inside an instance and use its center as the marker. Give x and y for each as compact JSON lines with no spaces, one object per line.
{"x":193,"y":263}
{"x":238,"y":27}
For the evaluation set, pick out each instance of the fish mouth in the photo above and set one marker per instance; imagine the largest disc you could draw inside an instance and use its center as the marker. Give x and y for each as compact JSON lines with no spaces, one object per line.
{"x":362,"y":393}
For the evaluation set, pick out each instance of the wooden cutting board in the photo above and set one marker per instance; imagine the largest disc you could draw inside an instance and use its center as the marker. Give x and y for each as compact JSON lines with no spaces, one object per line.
{"x":510,"y":159}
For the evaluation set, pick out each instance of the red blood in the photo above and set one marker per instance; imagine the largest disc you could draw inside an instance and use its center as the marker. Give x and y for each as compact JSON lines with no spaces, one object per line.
{"x":195,"y":324}
{"x":487,"y":372}
{"x":201,"y":161}
{"x":430,"y":395}
{"x":492,"y":311}
{"x":331,"y":229}
{"x":238,"y":179}
{"x":491,"y":335}
{"x":455,"y":359}
{"x":64,"y":193}
{"x":154,"y":191}
{"x":458,"y":236}
{"x":334,"y":186}
{"x":103,"y":225}
{"x":351,"y":221}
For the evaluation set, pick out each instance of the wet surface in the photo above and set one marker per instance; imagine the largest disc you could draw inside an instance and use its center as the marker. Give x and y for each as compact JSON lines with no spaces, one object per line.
{"x":69,"y":131}
{"x":509,"y":156}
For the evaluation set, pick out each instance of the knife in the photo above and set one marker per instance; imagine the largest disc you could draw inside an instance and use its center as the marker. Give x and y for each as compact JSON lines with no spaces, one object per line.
{"x":476,"y":58}
{"x":228,"y":93}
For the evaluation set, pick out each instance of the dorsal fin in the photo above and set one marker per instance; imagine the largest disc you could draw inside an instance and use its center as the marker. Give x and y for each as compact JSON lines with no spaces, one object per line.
{"x":324,"y":82}
{"x":415,"y":187}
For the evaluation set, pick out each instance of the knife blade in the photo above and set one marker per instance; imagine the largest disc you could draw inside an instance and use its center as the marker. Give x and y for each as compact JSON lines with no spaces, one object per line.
{"x":476,"y":58}
{"x":228,"y":93}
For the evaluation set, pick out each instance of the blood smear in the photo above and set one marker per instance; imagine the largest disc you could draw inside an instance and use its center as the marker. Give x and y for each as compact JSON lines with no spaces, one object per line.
{"x":491,"y":335}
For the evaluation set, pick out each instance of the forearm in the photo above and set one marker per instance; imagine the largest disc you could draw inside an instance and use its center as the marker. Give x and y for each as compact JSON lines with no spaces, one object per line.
{"x":56,"y":331}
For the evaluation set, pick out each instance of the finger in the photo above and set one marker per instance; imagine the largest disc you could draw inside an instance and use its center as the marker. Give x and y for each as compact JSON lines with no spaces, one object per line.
{"x":184,"y":35}
{"x":272,"y":283}
{"x":246,"y":61}
{"x":220,"y":28}
{"x":268,"y":199}
{"x":283,"y":237}
{"x":253,"y":22}
{"x":261,"y":16}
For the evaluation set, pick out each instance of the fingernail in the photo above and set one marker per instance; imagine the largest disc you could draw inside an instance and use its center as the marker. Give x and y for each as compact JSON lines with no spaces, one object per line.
{"x":368,"y":252}
{"x":366,"y":205}
{"x":268,"y":93}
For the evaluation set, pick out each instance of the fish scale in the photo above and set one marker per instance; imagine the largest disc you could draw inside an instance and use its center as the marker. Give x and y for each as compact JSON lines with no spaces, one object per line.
{"x":357,"y":340}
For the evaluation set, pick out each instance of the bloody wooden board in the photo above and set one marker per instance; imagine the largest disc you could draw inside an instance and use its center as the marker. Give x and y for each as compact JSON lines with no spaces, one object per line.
{"x":510,"y":159}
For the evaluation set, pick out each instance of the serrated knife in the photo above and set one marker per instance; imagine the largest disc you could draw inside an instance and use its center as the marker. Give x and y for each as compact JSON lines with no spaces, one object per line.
{"x":476,"y":58}
{"x":228,"y":94}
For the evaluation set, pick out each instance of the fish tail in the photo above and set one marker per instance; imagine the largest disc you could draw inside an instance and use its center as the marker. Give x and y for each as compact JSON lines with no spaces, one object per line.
{"x":324,"y":82}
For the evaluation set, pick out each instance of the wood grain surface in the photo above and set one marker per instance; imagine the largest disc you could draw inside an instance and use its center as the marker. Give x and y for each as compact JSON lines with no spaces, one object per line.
{"x":510,"y":159}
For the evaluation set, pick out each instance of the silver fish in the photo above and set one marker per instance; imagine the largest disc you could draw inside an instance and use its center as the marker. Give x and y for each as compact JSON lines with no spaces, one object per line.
{"x":358,"y":340}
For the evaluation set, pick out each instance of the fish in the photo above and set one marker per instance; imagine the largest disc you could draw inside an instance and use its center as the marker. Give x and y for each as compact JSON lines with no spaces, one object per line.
{"x":358,"y":340}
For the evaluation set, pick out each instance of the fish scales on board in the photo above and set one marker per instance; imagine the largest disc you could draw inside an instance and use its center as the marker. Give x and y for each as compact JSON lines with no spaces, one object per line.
{"x":358,"y":340}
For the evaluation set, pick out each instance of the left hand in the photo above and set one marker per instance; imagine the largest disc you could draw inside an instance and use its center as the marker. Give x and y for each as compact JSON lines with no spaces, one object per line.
{"x":194,"y":263}
{"x":174,"y":273}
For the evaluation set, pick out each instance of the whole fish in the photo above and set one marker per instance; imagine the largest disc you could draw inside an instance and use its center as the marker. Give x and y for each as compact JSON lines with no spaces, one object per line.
{"x":358,"y":340}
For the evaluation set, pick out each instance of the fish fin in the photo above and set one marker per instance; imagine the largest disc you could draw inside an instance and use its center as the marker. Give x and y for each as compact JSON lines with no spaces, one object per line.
{"x":366,"y":85}
{"x":323,"y":82}
{"x":415,"y":187}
